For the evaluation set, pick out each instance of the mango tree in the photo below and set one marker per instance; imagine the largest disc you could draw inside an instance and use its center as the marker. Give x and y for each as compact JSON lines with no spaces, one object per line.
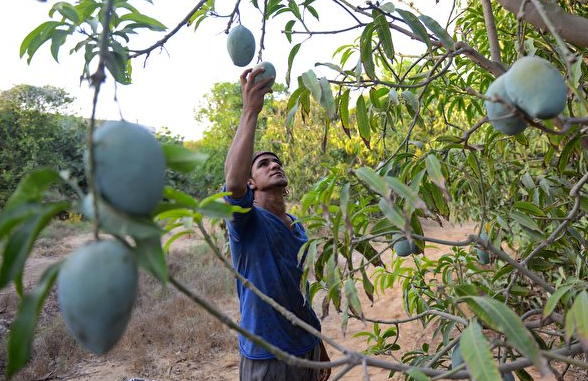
{"x":435,"y":155}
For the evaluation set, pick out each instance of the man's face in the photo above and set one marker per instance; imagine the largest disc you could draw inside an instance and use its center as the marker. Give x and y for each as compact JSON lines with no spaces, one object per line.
{"x":266,"y":173}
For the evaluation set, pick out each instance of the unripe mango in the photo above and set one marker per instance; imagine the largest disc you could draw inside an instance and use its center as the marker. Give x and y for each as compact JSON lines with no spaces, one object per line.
{"x":536,"y":87}
{"x":498,"y":113}
{"x":129,"y":167}
{"x":241,"y":45}
{"x":404,"y":248}
{"x":270,"y":72}
{"x":96,"y":290}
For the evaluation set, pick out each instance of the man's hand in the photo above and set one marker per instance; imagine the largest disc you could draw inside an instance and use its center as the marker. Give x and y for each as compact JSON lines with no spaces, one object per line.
{"x":326,"y":372}
{"x":252,"y":92}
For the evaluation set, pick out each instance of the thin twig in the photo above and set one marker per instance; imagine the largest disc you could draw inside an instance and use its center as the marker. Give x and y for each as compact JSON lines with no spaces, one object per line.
{"x":161,"y":42}
{"x":96,"y":81}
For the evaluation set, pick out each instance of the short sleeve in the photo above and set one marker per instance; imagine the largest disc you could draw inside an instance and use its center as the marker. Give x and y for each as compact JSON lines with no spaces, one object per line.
{"x":239,"y":220}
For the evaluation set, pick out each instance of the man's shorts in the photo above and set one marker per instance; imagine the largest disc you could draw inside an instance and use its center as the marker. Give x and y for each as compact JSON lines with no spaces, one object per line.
{"x":275,"y":370}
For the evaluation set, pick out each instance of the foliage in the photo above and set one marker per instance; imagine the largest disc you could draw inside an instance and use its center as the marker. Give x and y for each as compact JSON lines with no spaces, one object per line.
{"x":35,"y":134}
{"x":407,"y":140}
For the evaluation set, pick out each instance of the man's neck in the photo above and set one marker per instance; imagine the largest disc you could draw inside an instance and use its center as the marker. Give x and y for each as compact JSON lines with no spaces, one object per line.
{"x":272,"y":201}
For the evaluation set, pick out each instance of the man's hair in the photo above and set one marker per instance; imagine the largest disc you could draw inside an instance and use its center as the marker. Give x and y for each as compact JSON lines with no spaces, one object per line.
{"x":260,"y":153}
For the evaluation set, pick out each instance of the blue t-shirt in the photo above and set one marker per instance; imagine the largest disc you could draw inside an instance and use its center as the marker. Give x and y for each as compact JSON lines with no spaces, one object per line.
{"x":265,"y":251}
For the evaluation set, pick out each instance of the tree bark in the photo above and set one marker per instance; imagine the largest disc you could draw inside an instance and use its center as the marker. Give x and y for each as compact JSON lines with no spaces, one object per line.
{"x":570,"y":27}
{"x":491,"y":30}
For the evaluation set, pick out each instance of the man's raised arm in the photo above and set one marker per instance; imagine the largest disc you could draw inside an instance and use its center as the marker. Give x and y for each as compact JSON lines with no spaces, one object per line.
{"x":238,"y":161}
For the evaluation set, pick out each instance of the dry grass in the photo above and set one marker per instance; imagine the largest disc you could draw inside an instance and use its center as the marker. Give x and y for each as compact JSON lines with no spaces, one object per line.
{"x":165,"y":326}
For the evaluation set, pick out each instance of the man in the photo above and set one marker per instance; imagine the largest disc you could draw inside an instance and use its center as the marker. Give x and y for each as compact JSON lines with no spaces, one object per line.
{"x":264,"y":247}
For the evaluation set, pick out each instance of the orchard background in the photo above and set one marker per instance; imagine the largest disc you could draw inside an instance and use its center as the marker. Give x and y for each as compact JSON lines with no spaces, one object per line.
{"x":380,"y":145}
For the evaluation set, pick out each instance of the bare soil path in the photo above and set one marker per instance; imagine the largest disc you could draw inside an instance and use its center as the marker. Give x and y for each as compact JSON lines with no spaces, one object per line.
{"x":223,"y":365}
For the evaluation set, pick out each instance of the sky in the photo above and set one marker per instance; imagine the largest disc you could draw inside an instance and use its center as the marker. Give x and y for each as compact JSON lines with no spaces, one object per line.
{"x":172,"y":83}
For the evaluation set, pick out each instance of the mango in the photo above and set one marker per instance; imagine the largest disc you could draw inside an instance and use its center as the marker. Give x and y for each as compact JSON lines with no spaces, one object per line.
{"x":536,"y":87}
{"x":403,"y":248}
{"x":96,"y":291}
{"x":129,"y":167}
{"x":498,"y":113}
{"x":270,"y":71}
{"x":241,"y":45}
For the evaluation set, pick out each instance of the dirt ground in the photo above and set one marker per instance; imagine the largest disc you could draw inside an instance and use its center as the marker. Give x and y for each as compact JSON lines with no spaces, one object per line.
{"x":223,"y":366}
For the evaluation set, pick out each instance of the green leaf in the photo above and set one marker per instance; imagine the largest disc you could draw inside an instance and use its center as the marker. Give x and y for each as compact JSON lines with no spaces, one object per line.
{"x":554,"y":300}
{"x":352,"y":298}
{"x":476,"y":353}
{"x":368,"y":287}
{"x":23,"y":328}
{"x":327,"y":100}
{"x":180,"y":158}
{"x":216,"y":209}
{"x":566,"y":153}
{"x":406,"y":192}
{"x":362,"y":119}
{"x":144,"y":21}
{"x":288,"y":33}
{"x":373,"y":180}
{"x":435,"y":174}
{"x":32,"y":188}
{"x":438,"y":31}
{"x":392,"y":213}
{"x":579,"y":312}
{"x":149,"y":255}
{"x":383,"y":30}
{"x":57,"y":40}
{"x":415,"y":25}
{"x":311,"y":82}
{"x":344,"y":110}
{"x":182,"y":198}
{"x":501,"y":318}
{"x":365,"y":47}
{"x":20,"y":244}
{"x":525,"y":220}
{"x":367,"y":250}
{"x":9,"y":218}
{"x":388,"y":7}
{"x":66,"y":10}
{"x":417,"y":375}
{"x":411,"y":100}
{"x":38,"y":37}
{"x":291,"y":56}
{"x":529,"y":208}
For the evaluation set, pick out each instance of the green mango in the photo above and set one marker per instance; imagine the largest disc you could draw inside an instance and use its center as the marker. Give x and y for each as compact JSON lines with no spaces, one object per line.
{"x":129,"y":167}
{"x":270,"y":72}
{"x":403,"y":248}
{"x":498,"y":113}
{"x":241,"y":45}
{"x":96,"y":291}
{"x":536,"y":87}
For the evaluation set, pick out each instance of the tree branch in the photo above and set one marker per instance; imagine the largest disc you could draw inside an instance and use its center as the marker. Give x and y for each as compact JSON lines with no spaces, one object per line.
{"x":570,"y":27}
{"x":170,"y":34}
{"x":491,"y":30}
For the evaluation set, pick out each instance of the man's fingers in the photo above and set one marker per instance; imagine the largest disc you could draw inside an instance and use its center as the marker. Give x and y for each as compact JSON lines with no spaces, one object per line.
{"x":244,"y":76}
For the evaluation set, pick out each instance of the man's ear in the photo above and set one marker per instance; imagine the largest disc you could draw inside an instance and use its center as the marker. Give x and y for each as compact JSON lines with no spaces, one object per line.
{"x":251,"y":183}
